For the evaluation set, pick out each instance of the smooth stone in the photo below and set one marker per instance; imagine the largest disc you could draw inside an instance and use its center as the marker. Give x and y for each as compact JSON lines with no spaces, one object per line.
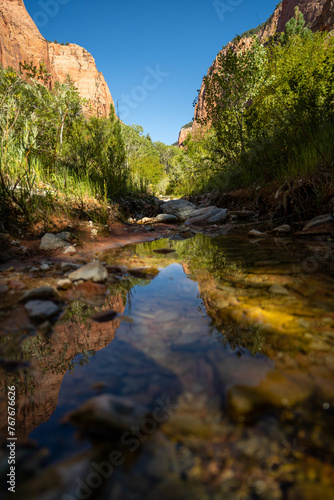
{"x":108,"y":414}
{"x":277,"y":289}
{"x":285,"y":229}
{"x":41,"y":309}
{"x":93,"y":271}
{"x":45,"y":267}
{"x":318,"y":221}
{"x":208,"y":215}
{"x":254,"y":233}
{"x":52,"y":242}
{"x":165,"y":218}
{"x":70,"y":250}
{"x":64,"y":284}
{"x":43,"y":292}
{"x":182,"y":209}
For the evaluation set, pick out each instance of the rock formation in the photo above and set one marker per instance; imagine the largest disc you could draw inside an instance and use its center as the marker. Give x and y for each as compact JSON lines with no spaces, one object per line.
{"x":20,"y":40}
{"x":184,"y":132}
{"x":318,"y":14}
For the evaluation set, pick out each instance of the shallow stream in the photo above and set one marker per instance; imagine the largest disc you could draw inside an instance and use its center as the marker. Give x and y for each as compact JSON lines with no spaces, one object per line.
{"x":221,"y":365}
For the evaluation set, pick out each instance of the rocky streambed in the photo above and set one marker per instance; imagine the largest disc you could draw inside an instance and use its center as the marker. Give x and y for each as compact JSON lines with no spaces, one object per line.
{"x":193,"y":366}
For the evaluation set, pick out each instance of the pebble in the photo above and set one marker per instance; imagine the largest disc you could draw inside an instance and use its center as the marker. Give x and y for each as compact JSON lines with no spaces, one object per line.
{"x":254,"y":233}
{"x":64,"y":284}
{"x":70,"y":250}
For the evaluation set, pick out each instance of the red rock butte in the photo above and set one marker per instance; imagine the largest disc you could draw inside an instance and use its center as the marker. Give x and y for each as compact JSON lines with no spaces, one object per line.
{"x":20,"y":40}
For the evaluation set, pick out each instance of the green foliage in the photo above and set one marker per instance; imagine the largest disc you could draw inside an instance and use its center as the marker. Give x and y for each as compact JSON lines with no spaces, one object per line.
{"x":270,"y":113}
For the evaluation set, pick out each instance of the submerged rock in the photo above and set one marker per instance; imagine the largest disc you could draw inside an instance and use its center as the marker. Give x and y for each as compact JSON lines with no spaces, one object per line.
{"x":93,"y":271}
{"x":208,"y":215}
{"x":108,"y":414}
{"x":52,"y":242}
{"x":41,"y":309}
{"x":182,"y":209}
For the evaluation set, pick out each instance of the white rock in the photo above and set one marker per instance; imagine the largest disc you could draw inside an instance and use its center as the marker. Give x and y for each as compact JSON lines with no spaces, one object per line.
{"x":285,"y":229}
{"x":52,"y":242}
{"x":64,"y":284}
{"x":93,"y":271}
{"x":207,"y":215}
{"x":70,"y":250}
{"x":180,"y":208}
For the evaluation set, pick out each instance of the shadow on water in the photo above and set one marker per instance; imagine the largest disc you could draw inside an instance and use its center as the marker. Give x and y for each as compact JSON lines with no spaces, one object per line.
{"x":215,"y":380}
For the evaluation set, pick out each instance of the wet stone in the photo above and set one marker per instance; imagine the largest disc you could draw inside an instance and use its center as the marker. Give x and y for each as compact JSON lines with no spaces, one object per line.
{"x":41,"y":309}
{"x":254,"y":233}
{"x":93,"y":271}
{"x":108,"y":414}
{"x":43,"y":293}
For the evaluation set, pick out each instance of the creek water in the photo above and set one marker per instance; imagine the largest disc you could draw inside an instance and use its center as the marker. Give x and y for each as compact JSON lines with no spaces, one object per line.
{"x":229,"y":345}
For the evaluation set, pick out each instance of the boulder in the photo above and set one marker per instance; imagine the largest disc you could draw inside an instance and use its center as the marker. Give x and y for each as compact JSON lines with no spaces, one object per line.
{"x":41,"y":293}
{"x":165,"y":218}
{"x":93,"y":271}
{"x":180,"y":208}
{"x":318,"y":221}
{"x":52,"y":242}
{"x":207,"y":215}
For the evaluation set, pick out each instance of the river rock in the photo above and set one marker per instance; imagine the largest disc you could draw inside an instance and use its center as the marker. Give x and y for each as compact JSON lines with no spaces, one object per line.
{"x":207,"y":215}
{"x":64,"y":284}
{"x":254,"y":233}
{"x":52,"y":242}
{"x":282,"y":230}
{"x":108,"y":414}
{"x":180,"y":208}
{"x":70,"y":250}
{"x":165,"y":218}
{"x":93,"y":271}
{"x":43,"y":293}
{"x":277,"y":289}
{"x":41,"y":309}
{"x":318,"y":221}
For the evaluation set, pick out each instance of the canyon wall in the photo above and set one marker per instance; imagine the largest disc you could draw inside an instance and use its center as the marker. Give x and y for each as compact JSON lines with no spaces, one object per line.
{"x":20,"y":40}
{"x":318,"y":14}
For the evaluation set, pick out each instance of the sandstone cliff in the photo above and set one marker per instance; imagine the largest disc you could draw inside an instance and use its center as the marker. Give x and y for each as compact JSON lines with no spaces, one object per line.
{"x":318,"y":14}
{"x":184,"y":132}
{"x":20,"y":40}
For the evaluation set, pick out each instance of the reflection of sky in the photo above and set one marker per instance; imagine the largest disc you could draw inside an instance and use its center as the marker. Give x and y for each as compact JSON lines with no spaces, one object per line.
{"x":164,"y":311}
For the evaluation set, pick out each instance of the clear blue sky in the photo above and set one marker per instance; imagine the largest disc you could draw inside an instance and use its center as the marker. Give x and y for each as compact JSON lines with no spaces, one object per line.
{"x":153,"y":54}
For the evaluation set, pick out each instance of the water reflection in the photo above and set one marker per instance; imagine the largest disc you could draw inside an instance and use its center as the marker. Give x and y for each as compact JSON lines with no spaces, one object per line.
{"x":238,"y":339}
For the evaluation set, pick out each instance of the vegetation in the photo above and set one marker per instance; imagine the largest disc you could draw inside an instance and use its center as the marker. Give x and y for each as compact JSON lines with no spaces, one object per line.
{"x":53,"y":157}
{"x":269,"y":114}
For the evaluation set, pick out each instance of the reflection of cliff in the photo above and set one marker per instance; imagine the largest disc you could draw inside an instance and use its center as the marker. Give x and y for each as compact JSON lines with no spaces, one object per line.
{"x":37,"y":401}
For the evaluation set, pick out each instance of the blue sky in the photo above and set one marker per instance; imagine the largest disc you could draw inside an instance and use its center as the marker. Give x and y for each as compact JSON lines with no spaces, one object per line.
{"x":152,"y":54}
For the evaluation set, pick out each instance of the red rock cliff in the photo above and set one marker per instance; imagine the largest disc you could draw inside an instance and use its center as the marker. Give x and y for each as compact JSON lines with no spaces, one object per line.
{"x":20,"y":40}
{"x":318,"y":14}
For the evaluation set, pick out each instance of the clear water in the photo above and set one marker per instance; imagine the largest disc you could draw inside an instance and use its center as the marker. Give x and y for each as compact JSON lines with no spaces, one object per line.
{"x":235,"y":339}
